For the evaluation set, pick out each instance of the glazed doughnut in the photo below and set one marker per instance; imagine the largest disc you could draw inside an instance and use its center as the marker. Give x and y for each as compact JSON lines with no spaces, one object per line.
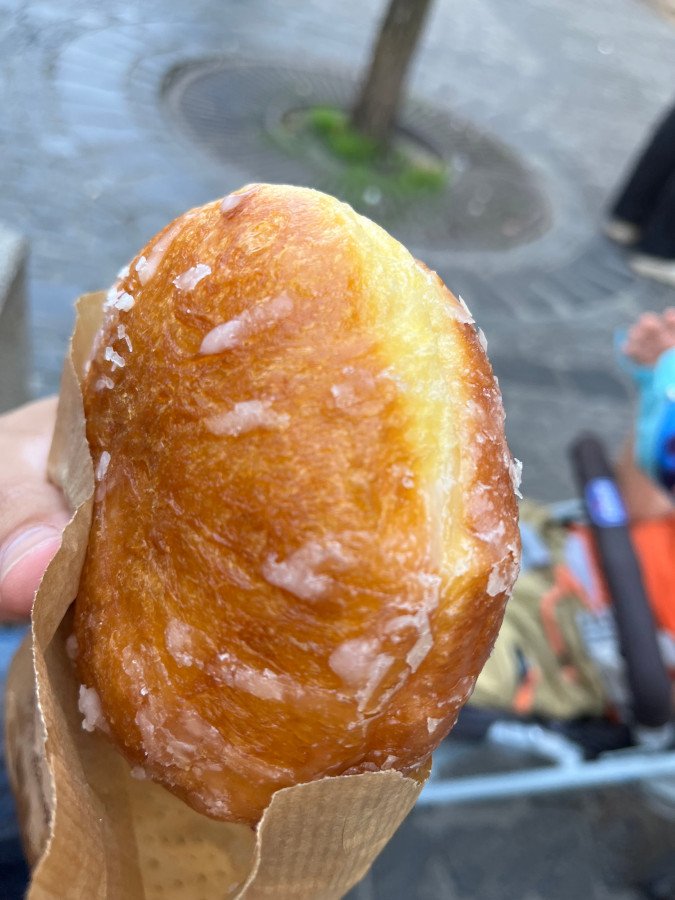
{"x":305,"y":526}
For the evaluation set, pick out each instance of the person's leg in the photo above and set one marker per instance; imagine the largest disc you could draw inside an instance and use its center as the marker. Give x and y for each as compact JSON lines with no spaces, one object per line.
{"x":658,"y":235}
{"x":651,"y":336}
{"x":643,"y":498}
{"x":640,"y":195}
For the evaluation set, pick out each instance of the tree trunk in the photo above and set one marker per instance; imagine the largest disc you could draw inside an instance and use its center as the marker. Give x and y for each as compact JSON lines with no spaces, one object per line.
{"x":375,"y":111}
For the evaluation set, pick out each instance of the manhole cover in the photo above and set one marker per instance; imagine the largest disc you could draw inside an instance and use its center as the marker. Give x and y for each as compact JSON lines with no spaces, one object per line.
{"x":244,"y":113}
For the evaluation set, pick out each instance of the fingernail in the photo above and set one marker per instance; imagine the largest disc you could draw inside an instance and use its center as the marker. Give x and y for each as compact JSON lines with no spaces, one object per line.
{"x":24,"y":543}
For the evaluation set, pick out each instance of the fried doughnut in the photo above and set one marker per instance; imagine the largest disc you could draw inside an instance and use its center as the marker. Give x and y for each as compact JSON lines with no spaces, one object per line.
{"x":304,"y":528}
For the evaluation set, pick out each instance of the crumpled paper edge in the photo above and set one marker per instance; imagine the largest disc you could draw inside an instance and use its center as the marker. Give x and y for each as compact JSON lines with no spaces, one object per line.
{"x":88,"y":827}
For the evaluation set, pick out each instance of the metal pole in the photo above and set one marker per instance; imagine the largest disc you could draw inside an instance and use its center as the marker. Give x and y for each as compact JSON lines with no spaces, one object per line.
{"x":598,"y":774}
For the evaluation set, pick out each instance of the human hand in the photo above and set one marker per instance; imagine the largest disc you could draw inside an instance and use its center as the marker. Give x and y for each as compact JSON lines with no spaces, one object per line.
{"x":651,"y":336}
{"x":33,"y":513}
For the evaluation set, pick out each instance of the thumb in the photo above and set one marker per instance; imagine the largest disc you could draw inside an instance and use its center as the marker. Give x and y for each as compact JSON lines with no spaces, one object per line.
{"x":33,"y":513}
{"x":24,"y":556}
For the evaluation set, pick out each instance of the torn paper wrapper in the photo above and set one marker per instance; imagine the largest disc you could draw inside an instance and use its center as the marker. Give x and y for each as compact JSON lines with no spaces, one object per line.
{"x":90,"y":829}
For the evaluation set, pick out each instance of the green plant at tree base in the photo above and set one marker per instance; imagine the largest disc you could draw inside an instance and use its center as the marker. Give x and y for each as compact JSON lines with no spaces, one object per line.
{"x":395,"y":169}
{"x":345,"y":142}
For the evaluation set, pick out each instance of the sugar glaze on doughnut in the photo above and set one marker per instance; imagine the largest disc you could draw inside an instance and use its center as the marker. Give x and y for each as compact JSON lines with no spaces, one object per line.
{"x":305,"y":525}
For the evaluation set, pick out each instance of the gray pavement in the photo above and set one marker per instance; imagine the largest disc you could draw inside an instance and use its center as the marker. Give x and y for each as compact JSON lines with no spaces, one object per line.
{"x":559,"y":848}
{"x":91,"y":166}
{"x":13,"y":325}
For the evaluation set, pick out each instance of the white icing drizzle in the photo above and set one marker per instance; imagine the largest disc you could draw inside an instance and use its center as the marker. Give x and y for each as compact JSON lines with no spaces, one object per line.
{"x":111,"y":296}
{"x":251,"y":321}
{"x":298,"y":574}
{"x":380,"y":667}
{"x":186,"y":740}
{"x":360,"y":664}
{"x":89,"y":704}
{"x":178,"y":637}
{"x":352,"y":660}
{"x":363,"y":767}
{"x":503,"y":574}
{"x":419,"y":620}
{"x":262,"y":683}
{"x":488,"y":524}
{"x":105,"y":382}
{"x":114,"y":358}
{"x":72,"y":648}
{"x":247,"y":416}
{"x":190,"y":279}
{"x":123,"y":301}
{"x":465,"y":314}
{"x":219,"y":808}
{"x":516,"y":473}
{"x":119,"y":300}
{"x":463,"y":690}
{"x":420,"y":649}
{"x":146,"y":268}
{"x":123,"y":336}
{"x":102,"y":467}
{"x":226,"y":669}
{"x":232,"y":201}
{"x":357,"y":394}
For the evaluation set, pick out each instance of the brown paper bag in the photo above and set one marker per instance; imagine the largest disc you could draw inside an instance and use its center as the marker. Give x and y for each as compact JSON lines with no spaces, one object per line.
{"x":90,"y":830}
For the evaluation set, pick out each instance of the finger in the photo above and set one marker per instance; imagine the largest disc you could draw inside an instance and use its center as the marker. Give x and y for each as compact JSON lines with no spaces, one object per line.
{"x":24,"y":558}
{"x":643,"y":344}
{"x":669,"y":319}
{"x":33,"y":512}
{"x":27,"y":431}
{"x":31,"y":415}
{"x":637,"y":331}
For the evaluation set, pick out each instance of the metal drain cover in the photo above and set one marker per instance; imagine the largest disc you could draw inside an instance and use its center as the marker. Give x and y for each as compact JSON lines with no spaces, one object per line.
{"x":236,"y":109}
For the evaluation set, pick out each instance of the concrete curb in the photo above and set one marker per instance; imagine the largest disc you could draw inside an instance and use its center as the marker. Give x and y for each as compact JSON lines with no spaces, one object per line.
{"x":13,"y":319}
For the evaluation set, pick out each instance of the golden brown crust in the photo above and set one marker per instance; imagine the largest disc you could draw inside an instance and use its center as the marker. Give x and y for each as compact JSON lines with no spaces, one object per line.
{"x":305,"y":526}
